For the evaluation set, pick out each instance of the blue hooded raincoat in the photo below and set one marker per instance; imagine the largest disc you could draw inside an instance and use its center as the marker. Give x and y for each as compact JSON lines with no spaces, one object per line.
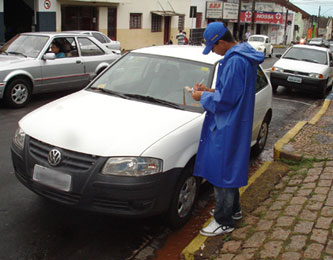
{"x":224,"y":149}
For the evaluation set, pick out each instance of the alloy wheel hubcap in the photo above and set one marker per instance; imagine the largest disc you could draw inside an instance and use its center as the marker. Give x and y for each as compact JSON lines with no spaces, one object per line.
{"x":187,"y":196}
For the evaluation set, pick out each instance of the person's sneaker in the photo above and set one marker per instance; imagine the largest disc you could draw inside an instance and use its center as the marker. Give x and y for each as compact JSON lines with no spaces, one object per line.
{"x":215,"y":229}
{"x":236,"y":216}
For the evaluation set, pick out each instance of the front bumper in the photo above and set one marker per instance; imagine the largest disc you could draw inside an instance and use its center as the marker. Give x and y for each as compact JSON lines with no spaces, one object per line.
{"x":90,"y":190}
{"x":307,"y":84}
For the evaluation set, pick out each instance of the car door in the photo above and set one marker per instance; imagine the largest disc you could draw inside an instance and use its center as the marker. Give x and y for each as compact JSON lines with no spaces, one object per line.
{"x":330,"y":63}
{"x":64,"y":73}
{"x":92,"y":55}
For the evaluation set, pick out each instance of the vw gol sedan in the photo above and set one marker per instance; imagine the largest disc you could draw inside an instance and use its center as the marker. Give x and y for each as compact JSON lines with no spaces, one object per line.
{"x":28,"y":66}
{"x":126,"y":144}
{"x":304,"y":67}
{"x":261,"y":43}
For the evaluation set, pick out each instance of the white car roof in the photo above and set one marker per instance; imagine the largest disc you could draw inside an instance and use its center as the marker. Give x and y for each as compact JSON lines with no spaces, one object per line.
{"x":259,"y":35}
{"x":186,"y":52}
{"x":313,"y":47}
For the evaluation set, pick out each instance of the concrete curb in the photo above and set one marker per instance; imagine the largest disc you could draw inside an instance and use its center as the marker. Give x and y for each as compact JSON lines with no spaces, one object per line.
{"x":189,"y":251}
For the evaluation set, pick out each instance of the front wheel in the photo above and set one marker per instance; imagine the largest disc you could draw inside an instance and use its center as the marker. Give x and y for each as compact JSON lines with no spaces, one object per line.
{"x":18,"y":93}
{"x":270,"y":55}
{"x":183,"y":200}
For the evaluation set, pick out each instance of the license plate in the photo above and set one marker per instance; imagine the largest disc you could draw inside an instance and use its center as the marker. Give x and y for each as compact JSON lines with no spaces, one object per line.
{"x":294,"y":79}
{"x":52,"y":178}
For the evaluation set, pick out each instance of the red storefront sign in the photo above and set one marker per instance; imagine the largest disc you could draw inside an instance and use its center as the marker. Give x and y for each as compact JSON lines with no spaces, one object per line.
{"x":263,"y":17}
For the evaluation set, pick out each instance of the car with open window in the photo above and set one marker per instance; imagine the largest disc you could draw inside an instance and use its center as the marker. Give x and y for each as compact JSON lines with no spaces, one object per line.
{"x":261,"y":43}
{"x":304,"y":67}
{"x":126,"y":144}
{"x":28,"y":65}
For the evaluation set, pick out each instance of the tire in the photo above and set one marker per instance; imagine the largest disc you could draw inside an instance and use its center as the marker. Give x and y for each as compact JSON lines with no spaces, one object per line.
{"x":183,"y":200}
{"x":270,"y":55}
{"x":262,"y":138}
{"x":18,"y":93}
{"x":265,"y":53}
{"x":323,"y":92}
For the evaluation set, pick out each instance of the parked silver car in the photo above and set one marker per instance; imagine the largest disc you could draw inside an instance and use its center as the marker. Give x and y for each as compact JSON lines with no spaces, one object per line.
{"x":28,"y":65}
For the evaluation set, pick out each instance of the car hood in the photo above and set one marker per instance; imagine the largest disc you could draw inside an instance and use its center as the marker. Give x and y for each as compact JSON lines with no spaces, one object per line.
{"x":301,"y":66}
{"x":103,"y":125}
{"x":256,"y":44}
{"x":6,"y":60}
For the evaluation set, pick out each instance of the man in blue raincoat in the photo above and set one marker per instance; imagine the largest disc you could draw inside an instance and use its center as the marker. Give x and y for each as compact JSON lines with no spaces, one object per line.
{"x":224,"y":149}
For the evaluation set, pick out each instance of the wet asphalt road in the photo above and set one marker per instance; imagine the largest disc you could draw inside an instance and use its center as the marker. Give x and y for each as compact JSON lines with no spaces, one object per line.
{"x":35,"y":229}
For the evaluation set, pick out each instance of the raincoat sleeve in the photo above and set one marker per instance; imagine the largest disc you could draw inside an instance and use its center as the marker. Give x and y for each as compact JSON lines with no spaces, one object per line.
{"x":229,"y":87}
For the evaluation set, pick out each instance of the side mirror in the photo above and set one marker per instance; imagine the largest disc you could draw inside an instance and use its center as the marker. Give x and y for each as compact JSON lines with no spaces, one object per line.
{"x":278,"y":55}
{"x":49,"y":56}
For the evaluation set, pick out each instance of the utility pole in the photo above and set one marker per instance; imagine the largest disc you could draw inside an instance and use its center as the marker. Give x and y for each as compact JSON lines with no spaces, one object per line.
{"x":253,"y":16}
{"x":285,"y":28}
{"x":238,"y":22}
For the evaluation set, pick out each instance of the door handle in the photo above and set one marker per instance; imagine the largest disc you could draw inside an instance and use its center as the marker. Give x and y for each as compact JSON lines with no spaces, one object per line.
{"x":78,"y":62}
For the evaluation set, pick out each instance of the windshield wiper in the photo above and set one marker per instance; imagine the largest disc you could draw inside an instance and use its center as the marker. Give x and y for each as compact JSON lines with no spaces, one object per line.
{"x":17,"y":53}
{"x":4,"y":52}
{"x":314,"y":61}
{"x":155,"y":100}
{"x":290,"y":58}
{"x":111,"y":92}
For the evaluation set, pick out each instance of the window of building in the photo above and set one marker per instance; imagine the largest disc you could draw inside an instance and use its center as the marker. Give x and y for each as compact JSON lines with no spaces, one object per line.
{"x":156,"y":23}
{"x":135,"y":21}
{"x":181,"y":22}
{"x":198,"y":20}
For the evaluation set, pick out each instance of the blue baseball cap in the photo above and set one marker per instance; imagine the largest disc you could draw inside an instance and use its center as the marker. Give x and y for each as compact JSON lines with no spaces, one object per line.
{"x":212,"y":34}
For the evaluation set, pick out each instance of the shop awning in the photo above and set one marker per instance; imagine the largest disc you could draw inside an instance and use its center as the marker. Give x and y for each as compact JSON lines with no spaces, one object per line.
{"x":167,"y":13}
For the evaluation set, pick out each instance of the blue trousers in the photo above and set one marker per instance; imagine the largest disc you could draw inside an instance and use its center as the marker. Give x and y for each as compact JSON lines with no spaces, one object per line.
{"x":227,"y":203}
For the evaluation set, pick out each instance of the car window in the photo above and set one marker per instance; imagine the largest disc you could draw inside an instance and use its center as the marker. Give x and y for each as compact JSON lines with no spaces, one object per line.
{"x":89,"y":48}
{"x":261,"y":80}
{"x":256,"y":39}
{"x":99,"y":37}
{"x":305,"y":54}
{"x":67,"y":46}
{"x":27,"y":45}
{"x":157,"y":77}
{"x":106,"y":38}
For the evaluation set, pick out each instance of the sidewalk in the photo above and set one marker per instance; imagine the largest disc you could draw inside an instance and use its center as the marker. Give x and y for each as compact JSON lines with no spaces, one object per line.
{"x":288,"y":210}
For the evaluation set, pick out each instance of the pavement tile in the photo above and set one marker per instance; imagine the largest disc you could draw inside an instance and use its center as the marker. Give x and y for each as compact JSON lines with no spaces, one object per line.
{"x":264,"y":225}
{"x":314,"y":171}
{"x":292,"y":210}
{"x":318,"y":197}
{"x":330,"y":194}
{"x":251,"y":220}
{"x":271,"y":249}
{"x":311,"y":178}
{"x":329,"y":247}
{"x":329,"y":164}
{"x":260,"y":211}
{"x":295,"y":182}
{"x":329,"y":202}
{"x":314,"y":205}
{"x":291,"y":256}
{"x":285,"y":221}
{"x":303,"y":227}
{"x":326,"y":176}
{"x":256,"y":240}
{"x":298,"y":200}
{"x":268,"y":201}
{"x":290,"y":189}
{"x":308,"y":215}
{"x":304,"y":192}
{"x":328,"y":258}
{"x":284,"y":196}
{"x":318,"y":164}
{"x":280,"y":234}
{"x":272,"y":214}
{"x":285,"y":178}
{"x":277,"y":205}
{"x":324,"y":183}
{"x":313,"y":251}
{"x":322,"y":190}
{"x":225,"y":257}
{"x":328,"y":170}
{"x":279,"y":186}
{"x":327,"y":211}
{"x":323,"y":223}
{"x":319,"y":235}
{"x":309,"y":185}
{"x":241,"y":233}
{"x":246,"y":254}
{"x":231,"y":246}
{"x":297,"y":243}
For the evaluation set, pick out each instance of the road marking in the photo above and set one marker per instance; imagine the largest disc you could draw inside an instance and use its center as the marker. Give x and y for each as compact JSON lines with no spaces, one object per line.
{"x":295,"y":101}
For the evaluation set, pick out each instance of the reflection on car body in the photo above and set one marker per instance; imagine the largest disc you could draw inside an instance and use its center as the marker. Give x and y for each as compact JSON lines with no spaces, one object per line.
{"x":304,"y":67}
{"x":131,"y":151}
{"x":27,"y":64}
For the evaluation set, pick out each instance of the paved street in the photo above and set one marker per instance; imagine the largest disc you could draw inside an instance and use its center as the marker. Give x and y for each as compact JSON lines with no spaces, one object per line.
{"x":33,"y":228}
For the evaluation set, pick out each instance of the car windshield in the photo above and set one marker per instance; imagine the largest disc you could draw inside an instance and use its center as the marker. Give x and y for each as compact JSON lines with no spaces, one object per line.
{"x":27,"y":45}
{"x":305,"y":54}
{"x":256,"y":39}
{"x":159,"y":78}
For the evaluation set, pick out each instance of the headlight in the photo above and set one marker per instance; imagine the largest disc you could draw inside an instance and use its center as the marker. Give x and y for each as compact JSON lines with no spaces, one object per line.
{"x":276,"y":69}
{"x":132,"y":166}
{"x":260,"y":48}
{"x":316,"y":75}
{"x":19,"y":138}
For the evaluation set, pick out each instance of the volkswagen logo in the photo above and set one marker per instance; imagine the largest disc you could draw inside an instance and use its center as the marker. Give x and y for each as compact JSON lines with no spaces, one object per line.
{"x":54,"y":157}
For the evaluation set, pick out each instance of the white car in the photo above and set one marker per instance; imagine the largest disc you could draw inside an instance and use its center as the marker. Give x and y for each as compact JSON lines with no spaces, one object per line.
{"x":261,"y":43}
{"x":304,"y":67}
{"x":126,"y":144}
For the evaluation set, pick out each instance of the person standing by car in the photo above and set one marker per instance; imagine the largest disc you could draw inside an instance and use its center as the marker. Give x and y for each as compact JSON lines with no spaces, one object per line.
{"x":55,"y":48}
{"x":180,"y":37}
{"x":224,"y":149}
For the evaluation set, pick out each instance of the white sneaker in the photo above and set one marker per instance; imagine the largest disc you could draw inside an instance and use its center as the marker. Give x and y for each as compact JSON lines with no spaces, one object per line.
{"x":236,"y":216}
{"x":215,"y":229}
